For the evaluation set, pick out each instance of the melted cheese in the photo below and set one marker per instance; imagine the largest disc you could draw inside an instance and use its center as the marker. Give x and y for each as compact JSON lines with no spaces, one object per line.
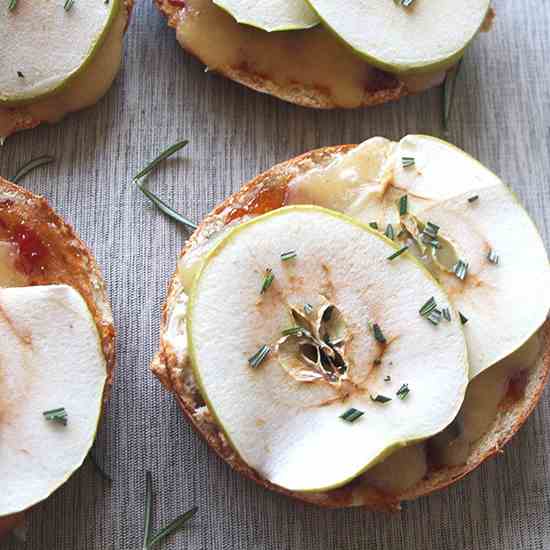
{"x":354,"y":178}
{"x":10,"y":276}
{"x":293,"y":60}
{"x":83,"y":92}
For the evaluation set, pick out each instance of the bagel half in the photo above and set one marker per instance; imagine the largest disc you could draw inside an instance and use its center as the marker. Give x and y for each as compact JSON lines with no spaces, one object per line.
{"x":67,"y":262}
{"x":312,"y":68}
{"x":82,"y":92}
{"x":263,"y":194}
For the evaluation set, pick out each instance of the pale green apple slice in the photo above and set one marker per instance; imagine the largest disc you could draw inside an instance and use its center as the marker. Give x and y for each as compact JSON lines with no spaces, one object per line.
{"x":439,"y":171}
{"x":51,"y":357}
{"x":286,"y":427}
{"x":366,"y":184}
{"x":505,"y":302}
{"x":425,"y":36}
{"x":271,"y":15}
{"x":44,"y":46}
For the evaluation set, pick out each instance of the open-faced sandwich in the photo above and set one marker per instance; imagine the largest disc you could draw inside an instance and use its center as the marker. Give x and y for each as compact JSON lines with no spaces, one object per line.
{"x":58,"y":56}
{"x":360,"y":325}
{"x":57,"y":355}
{"x":327,"y":54}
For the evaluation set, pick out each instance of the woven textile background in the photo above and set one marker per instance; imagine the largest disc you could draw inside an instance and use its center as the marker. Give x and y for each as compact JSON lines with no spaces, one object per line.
{"x":501,"y":116}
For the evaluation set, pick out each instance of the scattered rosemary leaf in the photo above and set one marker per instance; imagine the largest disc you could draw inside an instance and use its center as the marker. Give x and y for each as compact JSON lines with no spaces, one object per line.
{"x":380,"y":398}
{"x":374,"y":225}
{"x":403,"y":391}
{"x":493,"y":257}
{"x":377,"y":362}
{"x":446,"y":312}
{"x":259,"y":357}
{"x":434,"y":316}
{"x":56,"y":415}
{"x":148,"y":507}
{"x":172,"y":527}
{"x":351,"y":415}
{"x":431,"y":229}
{"x":429,"y":235}
{"x":428,"y":307}
{"x":20,"y":74}
{"x":461,"y":269}
{"x":426,"y":239}
{"x":164,"y":155}
{"x":30,"y":166}
{"x":165,"y":208}
{"x":407,"y":3}
{"x":407,"y":162}
{"x":308,"y":309}
{"x":289,"y":255}
{"x":268,"y":280}
{"x":157,"y":201}
{"x":378,"y":334}
{"x":473,"y":198}
{"x":12,"y":4}
{"x":398,"y":253}
{"x":448,"y":95}
{"x":403,"y":205}
{"x":463,"y":318}
{"x":387,"y":378}
{"x":292,"y":331}
{"x":68,"y":5}
{"x":150,"y":540}
{"x":390,"y":232}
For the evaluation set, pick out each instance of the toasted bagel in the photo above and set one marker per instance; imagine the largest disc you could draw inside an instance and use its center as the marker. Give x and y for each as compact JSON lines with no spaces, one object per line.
{"x":81,"y":93}
{"x":62,"y":259}
{"x":311,"y":68}
{"x":262,"y":194}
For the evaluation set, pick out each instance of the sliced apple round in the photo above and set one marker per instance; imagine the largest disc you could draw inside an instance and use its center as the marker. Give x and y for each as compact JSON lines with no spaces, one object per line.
{"x":505,"y":303}
{"x":423,"y":36}
{"x":51,"y":358}
{"x":45,"y":46}
{"x":271,"y":15}
{"x":505,"y":292}
{"x":283,"y":345}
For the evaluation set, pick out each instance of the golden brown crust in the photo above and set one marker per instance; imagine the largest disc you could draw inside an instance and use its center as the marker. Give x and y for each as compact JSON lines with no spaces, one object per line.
{"x":166,"y":366}
{"x":8,"y":523}
{"x":70,"y":260}
{"x":386,"y":88}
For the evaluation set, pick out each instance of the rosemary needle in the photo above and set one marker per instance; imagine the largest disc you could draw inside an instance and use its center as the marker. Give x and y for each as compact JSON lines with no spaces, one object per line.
{"x":30,"y":166}
{"x":164,"y":155}
{"x":148,"y":505}
{"x":150,"y":540}
{"x":172,"y":527}
{"x":56,"y":415}
{"x":449,"y":87}
{"x":12,"y":4}
{"x":157,"y":201}
{"x":166,"y":208}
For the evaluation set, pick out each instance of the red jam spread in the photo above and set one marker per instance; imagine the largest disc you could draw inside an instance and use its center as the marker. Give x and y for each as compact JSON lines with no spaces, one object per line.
{"x":32,"y":252}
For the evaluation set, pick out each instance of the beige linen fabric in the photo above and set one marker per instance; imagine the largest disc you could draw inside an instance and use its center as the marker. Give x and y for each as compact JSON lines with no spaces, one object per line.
{"x":501,"y":116}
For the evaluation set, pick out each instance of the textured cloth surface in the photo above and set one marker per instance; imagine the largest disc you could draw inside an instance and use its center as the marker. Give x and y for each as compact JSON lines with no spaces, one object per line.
{"x":501,"y":116}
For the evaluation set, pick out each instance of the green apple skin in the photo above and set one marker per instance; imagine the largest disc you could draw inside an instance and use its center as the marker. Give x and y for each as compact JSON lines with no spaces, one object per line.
{"x":440,"y":65}
{"x":22,"y":100}
{"x":251,"y":23}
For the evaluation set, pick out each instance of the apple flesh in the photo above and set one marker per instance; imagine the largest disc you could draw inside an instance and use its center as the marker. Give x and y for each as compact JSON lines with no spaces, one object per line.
{"x":45,"y":47}
{"x":423,"y":37}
